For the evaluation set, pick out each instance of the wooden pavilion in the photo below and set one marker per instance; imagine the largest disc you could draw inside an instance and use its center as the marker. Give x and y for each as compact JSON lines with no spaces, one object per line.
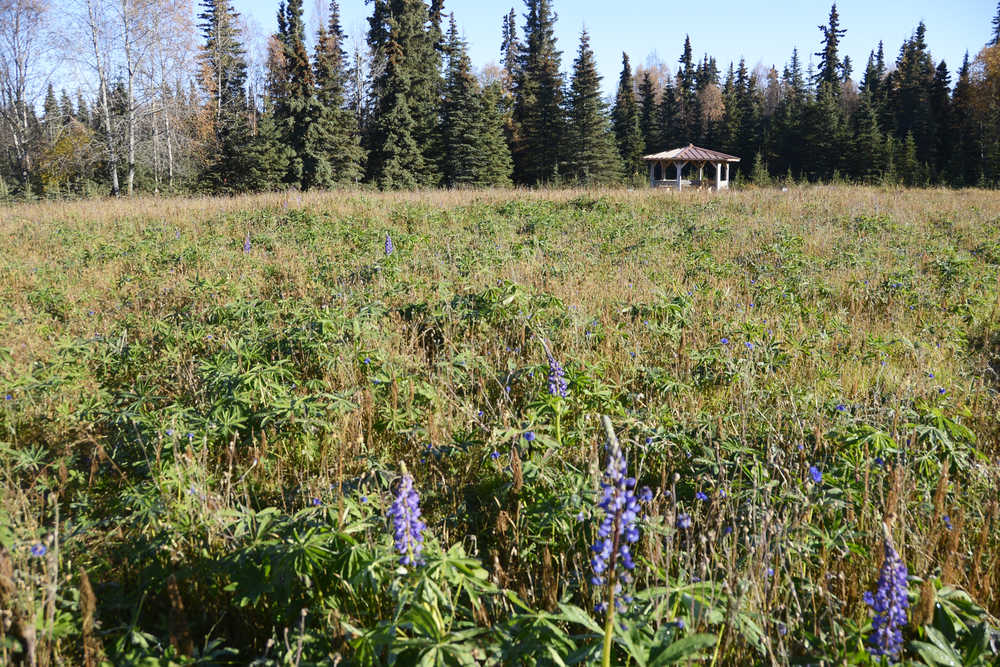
{"x":696,"y":157}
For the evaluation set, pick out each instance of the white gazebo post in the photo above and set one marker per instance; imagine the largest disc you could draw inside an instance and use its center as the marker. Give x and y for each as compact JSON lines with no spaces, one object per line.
{"x":701,"y":172}
{"x":727,"y":174}
{"x":679,"y":166}
{"x":718,"y":176}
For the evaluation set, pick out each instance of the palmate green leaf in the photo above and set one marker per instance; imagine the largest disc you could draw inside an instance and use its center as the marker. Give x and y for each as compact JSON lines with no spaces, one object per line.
{"x":688,"y":648}
{"x":574,"y":614}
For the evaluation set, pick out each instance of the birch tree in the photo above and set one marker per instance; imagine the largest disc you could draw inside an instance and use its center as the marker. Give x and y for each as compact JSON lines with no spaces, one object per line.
{"x":23,"y":44}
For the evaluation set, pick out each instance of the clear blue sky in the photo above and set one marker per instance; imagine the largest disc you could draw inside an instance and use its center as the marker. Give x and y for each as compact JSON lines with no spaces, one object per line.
{"x":762,"y":32}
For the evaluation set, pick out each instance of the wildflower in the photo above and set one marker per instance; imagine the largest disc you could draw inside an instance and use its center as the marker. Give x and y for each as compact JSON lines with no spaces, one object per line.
{"x":315,"y":502}
{"x":701,"y":496}
{"x":620,"y":504}
{"x":408,"y":528}
{"x":170,"y":431}
{"x":749,"y":345}
{"x":947,"y":521}
{"x":557,"y":379}
{"x":841,"y":407}
{"x":8,"y":397}
{"x":389,"y":247}
{"x":725,"y":341}
{"x":889,"y":602}
{"x":942,"y":390}
{"x":529,"y":436}
{"x":770,"y":571}
{"x":495,"y":455}
{"x":246,"y":243}
{"x":879,"y":461}
{"x":38,"y":550}
{"x":684,"y":521}
{"x":816,"y":474}
{"x":364,"y":499}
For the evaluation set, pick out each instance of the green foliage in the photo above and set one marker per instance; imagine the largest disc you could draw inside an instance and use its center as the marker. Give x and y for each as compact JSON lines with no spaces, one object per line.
{"x":214,"y":436}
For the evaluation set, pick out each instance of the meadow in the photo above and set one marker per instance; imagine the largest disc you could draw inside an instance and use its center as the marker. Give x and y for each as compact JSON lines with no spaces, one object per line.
{"x":211,"y":406}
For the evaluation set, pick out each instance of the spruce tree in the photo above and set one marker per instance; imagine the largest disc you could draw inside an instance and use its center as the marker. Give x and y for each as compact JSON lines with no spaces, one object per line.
{"x":830,"y":66}
{"x":498,"y":166}
{"x":539,"y":121}
{"x":687,"y":96}
{"x":337,"y":155}
{"x":293,"y":91}
{"x":910,"y":92}
{"x":223,"y":77}
{"x":995,"y":38}
{"x":940,"y":102}
{"x":474,"y":146}
{"x":625,"y":120}
{"x":590,"y":142}
{"x":647,"y":114}
{"x":964,"y":156}
{"x":670,"y":128}
{"x":867,"y":146}
{"x":403,"y":137}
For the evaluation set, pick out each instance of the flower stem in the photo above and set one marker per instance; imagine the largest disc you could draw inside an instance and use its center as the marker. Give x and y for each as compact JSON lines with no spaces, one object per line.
{"x":559,"y":424}
{"x":609,"y":612}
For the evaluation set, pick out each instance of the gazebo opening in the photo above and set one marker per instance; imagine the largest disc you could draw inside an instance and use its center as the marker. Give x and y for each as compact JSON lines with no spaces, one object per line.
{"x":663,"y":166}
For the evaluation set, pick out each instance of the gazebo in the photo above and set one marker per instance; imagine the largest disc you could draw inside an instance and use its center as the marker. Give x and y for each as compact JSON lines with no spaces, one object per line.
{"x":696,"y":157}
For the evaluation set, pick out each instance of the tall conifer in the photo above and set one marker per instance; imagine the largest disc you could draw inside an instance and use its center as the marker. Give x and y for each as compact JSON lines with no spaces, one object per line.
{"x":590,"y":142}
{"x":538,"y":98}
{"x":625,"y":120}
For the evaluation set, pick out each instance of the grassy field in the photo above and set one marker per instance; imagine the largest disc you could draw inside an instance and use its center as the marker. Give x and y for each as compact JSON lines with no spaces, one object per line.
{"x":209,"y":403}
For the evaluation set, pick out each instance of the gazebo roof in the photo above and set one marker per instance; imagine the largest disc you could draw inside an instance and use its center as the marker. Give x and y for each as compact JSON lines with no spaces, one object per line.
{"x":690,"y":153}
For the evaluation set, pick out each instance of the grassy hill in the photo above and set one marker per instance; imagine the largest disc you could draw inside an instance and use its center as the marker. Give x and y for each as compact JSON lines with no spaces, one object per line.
{"x":208,"y":405}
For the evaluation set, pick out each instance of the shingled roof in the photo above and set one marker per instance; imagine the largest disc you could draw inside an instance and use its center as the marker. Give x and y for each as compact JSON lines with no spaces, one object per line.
{"x":691,"y":153}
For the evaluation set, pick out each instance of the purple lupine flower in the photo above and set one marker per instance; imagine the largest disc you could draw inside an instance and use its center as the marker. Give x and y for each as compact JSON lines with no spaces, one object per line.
{"x":529,"y":436}
{"x":38,"y":550}
{"x":557,"y":378}
{"x":683,"y":521}
{"x":889,"y":602}
{"x":407,"y":527}
{"x":816,"y":474}
{"x":246,"y":244}
{"x":389,"y":247}
{"x":618,"y":528}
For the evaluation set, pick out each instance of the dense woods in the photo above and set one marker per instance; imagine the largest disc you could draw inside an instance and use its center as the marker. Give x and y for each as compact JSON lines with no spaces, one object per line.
{"x":167,"y":98}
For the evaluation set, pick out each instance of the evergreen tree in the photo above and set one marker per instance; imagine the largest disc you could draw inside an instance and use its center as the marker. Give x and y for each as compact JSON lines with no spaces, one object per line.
{"x":539,"y":122}
{"x":940,"y":103}
{"x":964,"y":156}
{"x":868,"y":149}
{"x":66,"y":107}
{"x":475,"y":152}
{"x":830,"y":67}
{"x":995,"y":38}
{"x":403,"y":137}
{"x":687,"y":96}
{"x":591,"y":147}
{"x":335,"y":155}
{"x":625,"y":119}
{"x":510,"y":49}
{"x":296,"y":107}
{"x":223,"y":79}
{"x":647,"y":115}
{"x":670,"y":129}
{"x":909,"y":95}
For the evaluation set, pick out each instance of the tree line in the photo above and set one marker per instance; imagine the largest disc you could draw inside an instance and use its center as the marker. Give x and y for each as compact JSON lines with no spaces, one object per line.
{"x":172,"y":105}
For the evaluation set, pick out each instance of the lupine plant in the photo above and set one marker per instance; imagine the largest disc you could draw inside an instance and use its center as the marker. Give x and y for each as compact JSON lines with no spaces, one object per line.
{"x":611,"y":560}
{"x":889,"y":603}
{"x":407,"y":526}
